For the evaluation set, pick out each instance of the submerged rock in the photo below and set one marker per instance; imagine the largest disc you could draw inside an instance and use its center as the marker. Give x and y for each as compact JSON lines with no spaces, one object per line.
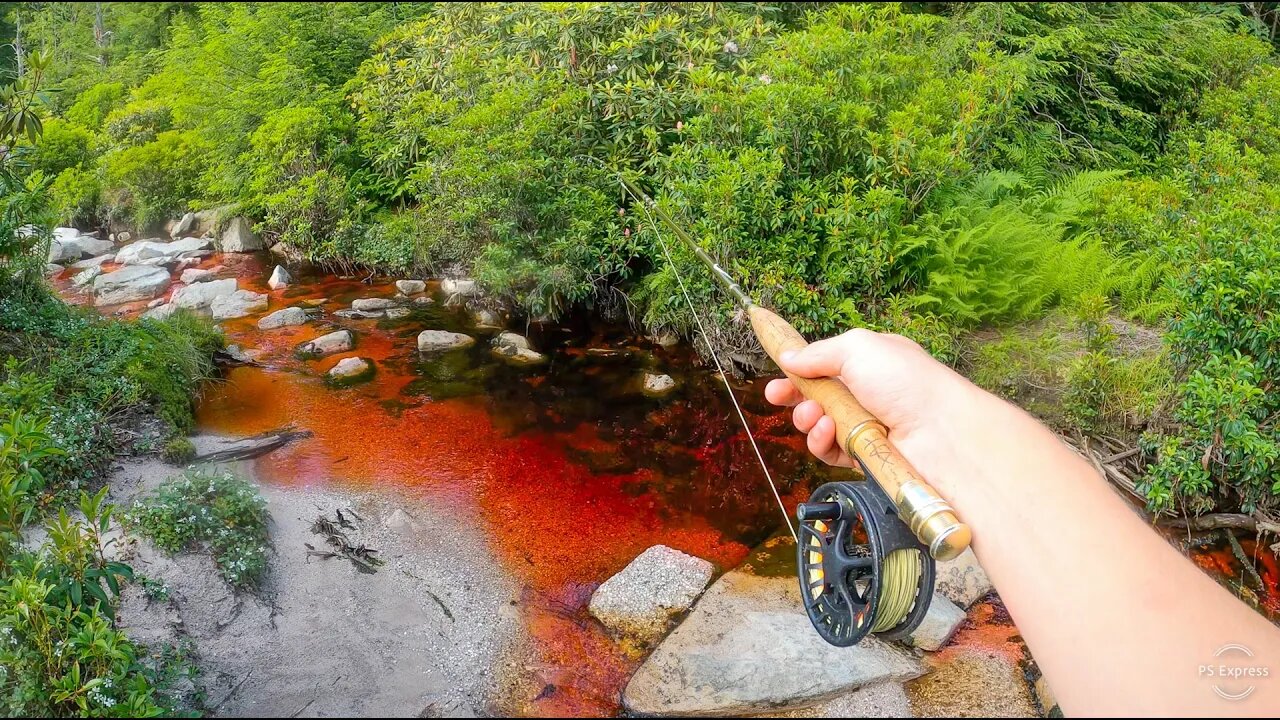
{"x":372,"y":304}
{"x":279,"y":278}
{"x":656,"y":385}
{"x":358,"y":314}
{"x":352,"y":369}
{"x":200,"y":296}
{"x":238,"y":304}
{"x":53,"y":269}
{"x":940,"y":623}
{"x":396,"y":312}
{"x":411,"y":287}
{"x":334,"y":342}
{"x":640,"y":602}
{"x":432,"y":340}
{"x":747,"y":647}
{"x":238,"y":237}
{"x":283,"y":318}
{"x":962,"y":580}
{"x":972,"y":683}
{"x":129,"y":284}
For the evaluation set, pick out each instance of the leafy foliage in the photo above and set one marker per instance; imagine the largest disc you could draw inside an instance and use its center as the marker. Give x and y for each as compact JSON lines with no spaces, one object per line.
{"x":60,"y":654}
{"x":929,"y":169}
{"x":217,"y":511}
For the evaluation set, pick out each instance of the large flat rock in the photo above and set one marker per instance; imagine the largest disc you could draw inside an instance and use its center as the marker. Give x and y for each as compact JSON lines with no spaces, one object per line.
{"x":129,"y":284}
{"x":748,"y":648}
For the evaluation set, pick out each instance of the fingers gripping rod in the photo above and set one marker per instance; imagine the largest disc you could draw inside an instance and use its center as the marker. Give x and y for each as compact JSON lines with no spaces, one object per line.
{"x":862,"y":435}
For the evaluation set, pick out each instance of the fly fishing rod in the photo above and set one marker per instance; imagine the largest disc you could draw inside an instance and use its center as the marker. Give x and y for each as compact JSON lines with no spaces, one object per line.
{"x":865,"y":550}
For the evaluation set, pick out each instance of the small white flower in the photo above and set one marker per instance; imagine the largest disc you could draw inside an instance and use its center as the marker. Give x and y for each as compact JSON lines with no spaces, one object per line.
{"x":731,"y":47}
{"x":764,"y":78}
{"x":611,"y":69}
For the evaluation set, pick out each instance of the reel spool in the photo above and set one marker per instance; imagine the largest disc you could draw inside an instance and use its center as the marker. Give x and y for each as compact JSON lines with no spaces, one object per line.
{"x":861,"y":569}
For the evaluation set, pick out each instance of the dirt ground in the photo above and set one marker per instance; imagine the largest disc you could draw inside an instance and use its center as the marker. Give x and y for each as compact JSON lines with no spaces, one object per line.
{"x":426,"y":635}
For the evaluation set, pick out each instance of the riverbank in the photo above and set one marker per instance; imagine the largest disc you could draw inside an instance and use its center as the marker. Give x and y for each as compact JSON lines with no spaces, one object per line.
{"x":509,"y":484}
{"x":428,"y":634}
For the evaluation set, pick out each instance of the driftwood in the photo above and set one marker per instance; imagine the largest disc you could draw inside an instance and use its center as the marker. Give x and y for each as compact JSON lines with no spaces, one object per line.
{"x":250,"y":447}
{"x":362,"y":556}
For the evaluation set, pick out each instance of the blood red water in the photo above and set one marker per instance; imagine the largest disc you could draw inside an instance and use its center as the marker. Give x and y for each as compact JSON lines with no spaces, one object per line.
{"x":570,"y":471}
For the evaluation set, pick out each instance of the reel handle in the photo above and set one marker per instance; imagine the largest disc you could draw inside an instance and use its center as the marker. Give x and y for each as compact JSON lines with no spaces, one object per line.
{"x":866,"y":439}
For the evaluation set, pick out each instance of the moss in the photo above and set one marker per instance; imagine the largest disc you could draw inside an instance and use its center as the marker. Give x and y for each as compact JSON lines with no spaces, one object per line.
{"x":179,"y":450}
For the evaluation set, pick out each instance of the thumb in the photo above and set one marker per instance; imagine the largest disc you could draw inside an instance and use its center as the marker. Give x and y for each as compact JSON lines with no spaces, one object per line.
{"x":824,"y":358}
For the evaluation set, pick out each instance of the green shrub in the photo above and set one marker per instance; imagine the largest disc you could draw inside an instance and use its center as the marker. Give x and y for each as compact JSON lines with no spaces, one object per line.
{"x":91,"y":108}
{"x":76,"y":196}
{"x":150,"y":181}
{"x":63,"y":146}
{"x":215,"y":511}
{"x":83,"y":374}
{"x":178,"y":450}
{"x":60,"y":654}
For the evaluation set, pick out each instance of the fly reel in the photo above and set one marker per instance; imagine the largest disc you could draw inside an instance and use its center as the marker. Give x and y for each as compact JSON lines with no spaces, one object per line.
{"x":861,"y":569}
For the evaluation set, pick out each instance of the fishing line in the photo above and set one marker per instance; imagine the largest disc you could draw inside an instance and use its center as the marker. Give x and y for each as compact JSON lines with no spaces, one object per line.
{"x":716,"y":359}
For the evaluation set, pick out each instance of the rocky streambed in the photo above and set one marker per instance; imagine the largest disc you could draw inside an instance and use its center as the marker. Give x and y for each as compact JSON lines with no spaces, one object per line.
{"x":508,"y":469}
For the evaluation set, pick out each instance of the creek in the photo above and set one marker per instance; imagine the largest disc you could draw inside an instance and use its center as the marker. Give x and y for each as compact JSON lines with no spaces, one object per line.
{"x":566,"y":468}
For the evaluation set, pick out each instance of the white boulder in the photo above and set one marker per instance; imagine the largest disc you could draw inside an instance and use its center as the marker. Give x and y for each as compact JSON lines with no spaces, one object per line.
{"x":350,"y":368}
{"x":279,"y":278}
{"x":460,"y":287}
{"x":411,"y":287}
{"x":748,"y":648}
{"x":200,"y":296}
{"x":129,"y":284}
{"x":432,"y":340}
{"x":658,"y":385}
{"x":283,"y":318}
{"x":184,"y":226}
{"x":962,"y":580}
{"x":940,"y":622}
{"x":640,"y":602}
{"x":334,"y":342}
{"x":86,"y":276}
{"x":238,"y":237}
{"x":371,"y":304}
{"x":516,"y":349}
{"x":237,"y":304}
{"x":191,"y":276}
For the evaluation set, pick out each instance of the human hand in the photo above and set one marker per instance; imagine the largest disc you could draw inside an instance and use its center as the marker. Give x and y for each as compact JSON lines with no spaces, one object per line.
{"x":929,"y":409}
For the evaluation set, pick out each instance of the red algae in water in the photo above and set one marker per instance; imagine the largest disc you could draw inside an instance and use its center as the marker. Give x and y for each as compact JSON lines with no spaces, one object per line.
{"x":569,"y":481}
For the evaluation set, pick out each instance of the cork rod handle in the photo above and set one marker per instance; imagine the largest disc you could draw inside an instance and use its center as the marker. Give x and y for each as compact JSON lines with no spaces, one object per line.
{"x":864,"y":437}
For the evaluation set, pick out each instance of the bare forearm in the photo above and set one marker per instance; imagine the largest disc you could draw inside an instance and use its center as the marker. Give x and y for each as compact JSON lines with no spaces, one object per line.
{"x":1118,"y":620}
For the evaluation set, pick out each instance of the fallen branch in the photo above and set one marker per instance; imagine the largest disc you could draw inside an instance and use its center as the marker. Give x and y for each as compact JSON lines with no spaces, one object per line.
{"x":1223,"y":521}
{"x":251,"y":447}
